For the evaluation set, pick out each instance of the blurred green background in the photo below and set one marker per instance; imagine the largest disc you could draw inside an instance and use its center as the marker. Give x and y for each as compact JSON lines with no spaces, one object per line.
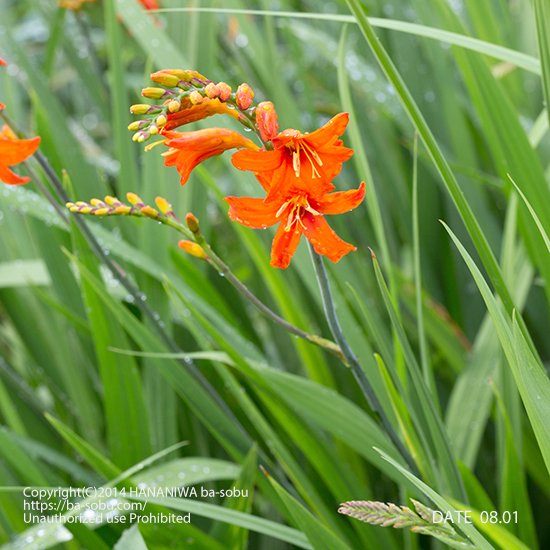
{"x":461,"y":373}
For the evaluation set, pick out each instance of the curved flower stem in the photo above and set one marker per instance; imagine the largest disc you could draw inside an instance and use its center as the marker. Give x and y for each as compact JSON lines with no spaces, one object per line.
{"x":350,"y":359}
{"x":121,"y":276}
{"x":223,"y":269}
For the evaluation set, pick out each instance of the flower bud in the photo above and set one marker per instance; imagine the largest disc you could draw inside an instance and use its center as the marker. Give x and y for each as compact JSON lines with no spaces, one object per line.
{"x":154,"y":93}
{"x":193,"y":248}
{"x":122,"y":210}
{"x":192,"y":223}
{"x":211,"y":90}
{"x":195,"y":97}
{"x":97,"y":202}
{"x":164,"y":206}
{"x":149,"y":212}
{"x":135,"y":199}
{"x":153,"y":129}
{"x":165,"y":79}
{"x":174,"y":106}
{"x":112,"y":201}
{"x":137,"y":125}
{"x":100,"y":212}
{"x":161,"y":120}
{"x":244,"y":97}
{"x":173,"y":77}
{"x":224,"y":91}
{"x":140,"y":109}
{"x":266,"y":119}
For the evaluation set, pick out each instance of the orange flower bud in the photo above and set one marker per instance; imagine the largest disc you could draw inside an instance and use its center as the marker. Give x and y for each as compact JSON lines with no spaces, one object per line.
{"x":211,"y":90}
{"x":224,"y":91}
{"x":165,"y":78}
{"x":266,"y":119}
{"x":245,"y":95}
{"x":194,"y":249}
{"x":172,"y":77}
{"x":195,"y":97}
{"x":192,"y":223}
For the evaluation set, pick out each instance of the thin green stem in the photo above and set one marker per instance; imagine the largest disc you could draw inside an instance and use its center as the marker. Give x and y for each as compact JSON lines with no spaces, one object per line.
{"x":351,"y":360}
{"x":138,"y":296}
{"x":221,"y":267}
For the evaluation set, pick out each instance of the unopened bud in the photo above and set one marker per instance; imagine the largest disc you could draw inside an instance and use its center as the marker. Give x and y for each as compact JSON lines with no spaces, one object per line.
{"x":165,"y":78}
{"x":244,"y":96}
{"x":143,"y":136}
{"x":195,"y":97}
{"x":193,"y":248}
{"x":211,"y":90}
{"x":153,"y":129}
{"x":224,"y":91}
{"x":154,"y":93}
{"x":135,"y":199}
{"x":161,"y":120}
{"x":122,"y":210}
{"x":137,"y":125}
{"x":192,"y":223}
{"x":164,"y":206}
{"x":97,"y":202}
{"x":102,"y":212}
{"x":112,"y":201}
{"x":149,"y":211}
{"x":266,"y":119}
{"x":140,"y":109}
{"x":174,"y":106}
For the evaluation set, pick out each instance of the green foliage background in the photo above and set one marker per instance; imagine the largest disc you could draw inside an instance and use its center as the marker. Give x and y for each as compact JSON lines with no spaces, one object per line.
{"x":450,"y":322}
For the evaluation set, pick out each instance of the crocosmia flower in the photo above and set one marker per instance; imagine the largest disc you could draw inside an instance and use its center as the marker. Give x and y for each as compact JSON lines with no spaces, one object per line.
{"x":299,"y":163}
{"x":298,"y":212}
{"x":12,"y":152}
{"x":188,"y":149}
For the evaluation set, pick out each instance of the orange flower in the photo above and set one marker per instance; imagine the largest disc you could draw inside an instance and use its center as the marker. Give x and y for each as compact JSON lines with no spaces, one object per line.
{"x":188,"y":149}
{"x":13,"y":151}
{"x":299,"y":163}
{"x":190,"y":113}
{"x":297,"y":213}
{"x":150,"y":4}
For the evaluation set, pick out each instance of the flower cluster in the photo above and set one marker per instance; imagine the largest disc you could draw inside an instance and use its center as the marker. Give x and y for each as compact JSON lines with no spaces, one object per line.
{"x":296,"y":170}
{"x":13,"y":151}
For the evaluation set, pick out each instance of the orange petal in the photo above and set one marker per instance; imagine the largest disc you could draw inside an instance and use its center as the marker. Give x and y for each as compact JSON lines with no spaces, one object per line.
{"x":340,"y":202}
{"x":14,"y":151}
{"x":252,"y":212}
{"x":324,"y":240}
{"x":257,"y":161}
{"x":284,"y":245}
{"x":335,"y":127}
{"x":11,"y":178}
{"x":188,"y":149}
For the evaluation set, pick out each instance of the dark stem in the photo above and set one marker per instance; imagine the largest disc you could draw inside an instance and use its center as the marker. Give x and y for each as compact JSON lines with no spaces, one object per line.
{"x":351,"y":358}
{"x":121,"y":276}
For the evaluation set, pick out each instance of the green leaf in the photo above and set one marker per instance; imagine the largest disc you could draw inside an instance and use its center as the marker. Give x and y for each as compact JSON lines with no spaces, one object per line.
{"x":529,"y":374}
{"x":131,"y":539}
{"x":320,"y":537}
